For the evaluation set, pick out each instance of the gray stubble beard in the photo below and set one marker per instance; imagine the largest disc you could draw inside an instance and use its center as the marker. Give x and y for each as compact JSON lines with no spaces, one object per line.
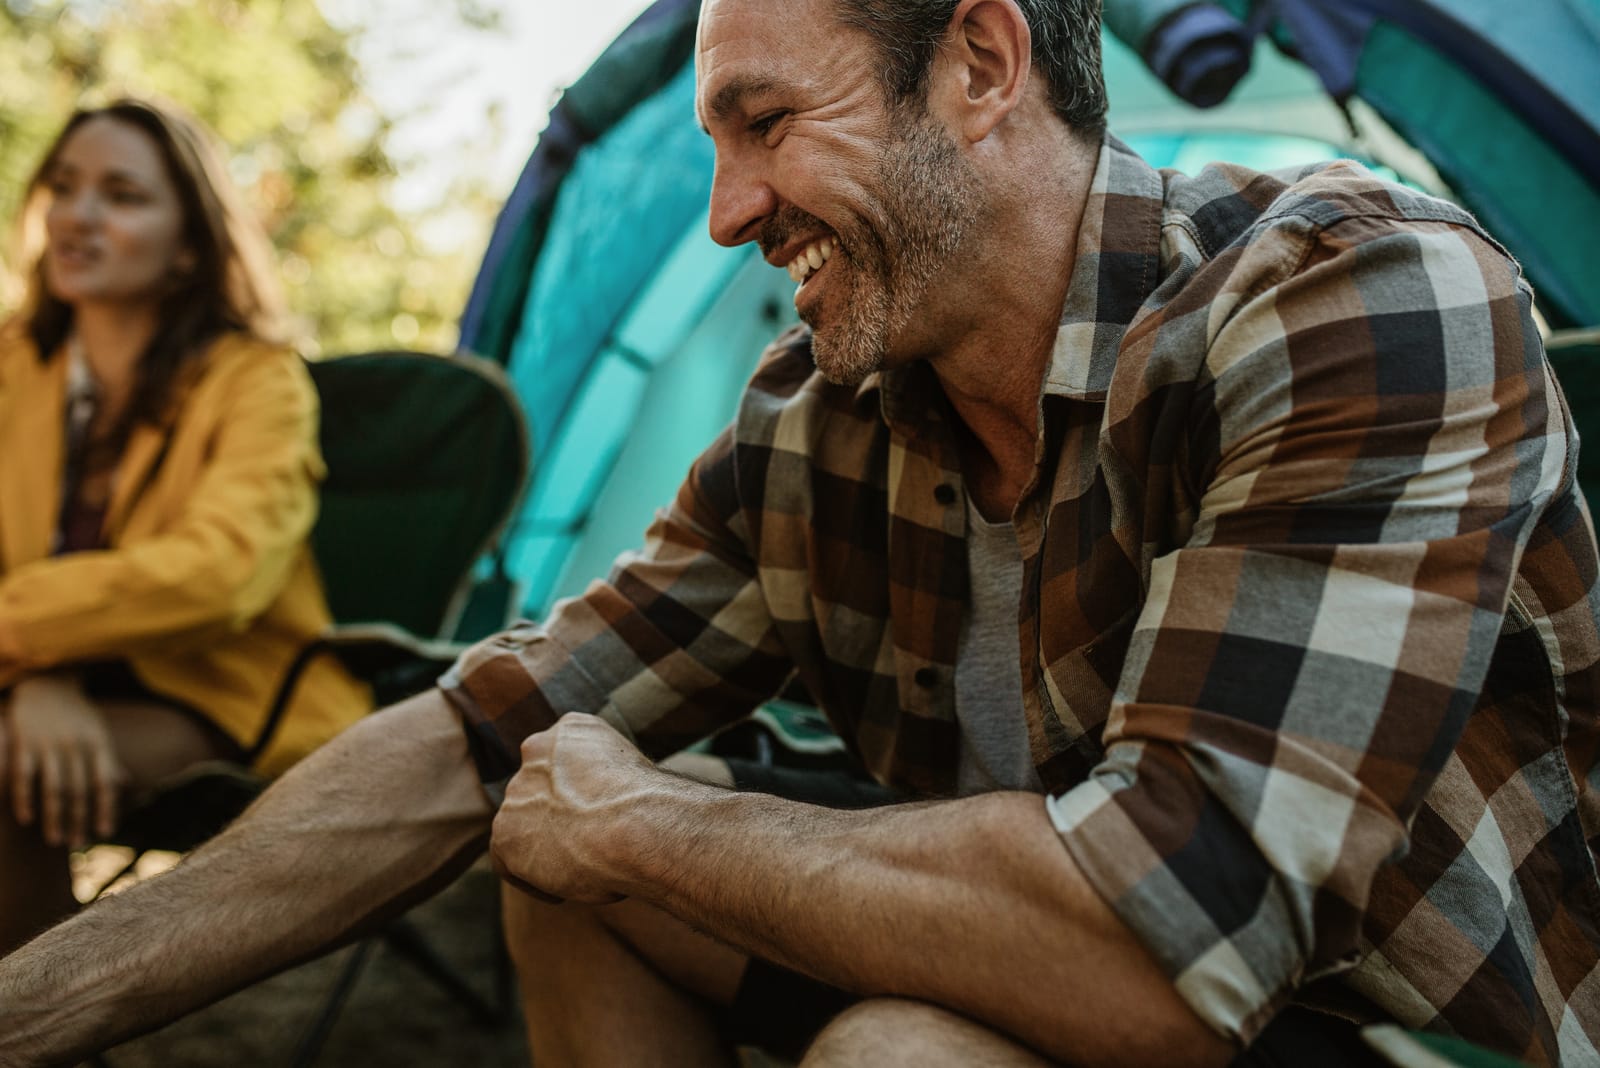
{"x":929,"y":194}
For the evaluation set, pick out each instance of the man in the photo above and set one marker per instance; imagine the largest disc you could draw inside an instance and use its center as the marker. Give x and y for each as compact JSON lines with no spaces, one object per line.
{"x":1214,"y":540}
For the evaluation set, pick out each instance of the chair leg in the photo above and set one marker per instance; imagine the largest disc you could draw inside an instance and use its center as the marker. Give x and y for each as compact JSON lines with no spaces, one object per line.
{"x":317,"y":1034}
{"x":402,"y":937}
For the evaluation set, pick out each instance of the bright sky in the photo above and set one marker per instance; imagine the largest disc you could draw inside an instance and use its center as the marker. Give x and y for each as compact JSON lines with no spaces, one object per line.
{"x":471,"y":102}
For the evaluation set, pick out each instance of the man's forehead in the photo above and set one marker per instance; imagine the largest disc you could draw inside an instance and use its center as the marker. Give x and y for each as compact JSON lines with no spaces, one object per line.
{"x":747,"y":46}
{"x":764,"y":25}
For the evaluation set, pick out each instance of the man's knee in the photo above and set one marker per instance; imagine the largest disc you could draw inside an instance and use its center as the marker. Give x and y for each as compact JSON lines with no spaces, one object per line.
{"x":568,"y":942}
{"x":889,"y":1032}
{"x":533,"y":928}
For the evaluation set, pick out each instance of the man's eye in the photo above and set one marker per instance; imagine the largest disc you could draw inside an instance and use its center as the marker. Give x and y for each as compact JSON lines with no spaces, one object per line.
{"x":764,"y":125}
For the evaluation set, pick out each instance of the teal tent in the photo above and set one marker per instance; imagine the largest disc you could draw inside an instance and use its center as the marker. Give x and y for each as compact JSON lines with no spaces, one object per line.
{"x":601,"y":287}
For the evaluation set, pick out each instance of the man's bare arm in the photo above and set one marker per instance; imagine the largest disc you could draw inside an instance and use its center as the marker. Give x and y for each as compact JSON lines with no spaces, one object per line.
{"x":383,"y":815}
{"x":973,"y":905}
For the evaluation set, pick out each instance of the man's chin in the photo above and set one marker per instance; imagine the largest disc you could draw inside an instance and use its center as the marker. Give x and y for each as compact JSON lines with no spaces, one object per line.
{"x":841,"y":363}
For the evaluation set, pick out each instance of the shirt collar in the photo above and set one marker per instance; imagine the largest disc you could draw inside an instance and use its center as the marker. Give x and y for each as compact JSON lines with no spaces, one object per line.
{"x":1117,"y":268}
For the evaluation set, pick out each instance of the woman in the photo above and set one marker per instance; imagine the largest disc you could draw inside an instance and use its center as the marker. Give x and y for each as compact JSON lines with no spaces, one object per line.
{"x":158,"y":461}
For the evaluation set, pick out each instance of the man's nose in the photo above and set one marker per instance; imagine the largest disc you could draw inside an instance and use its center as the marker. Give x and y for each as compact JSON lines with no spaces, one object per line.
{"x":741,"y":199}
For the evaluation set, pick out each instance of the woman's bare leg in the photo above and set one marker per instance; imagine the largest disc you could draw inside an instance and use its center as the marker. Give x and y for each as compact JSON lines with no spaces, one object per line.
{"x":152,"y":741}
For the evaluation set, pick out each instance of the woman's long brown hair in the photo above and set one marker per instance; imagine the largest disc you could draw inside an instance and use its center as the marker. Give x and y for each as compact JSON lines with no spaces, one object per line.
{"x":230,"y":287}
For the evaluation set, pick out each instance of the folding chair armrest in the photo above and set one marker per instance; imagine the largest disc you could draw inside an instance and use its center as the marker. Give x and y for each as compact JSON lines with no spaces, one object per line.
{"x":367,"y":650}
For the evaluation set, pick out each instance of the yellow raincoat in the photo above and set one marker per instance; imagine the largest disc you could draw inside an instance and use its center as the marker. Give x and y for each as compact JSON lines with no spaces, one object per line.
{"x":208,"y":587}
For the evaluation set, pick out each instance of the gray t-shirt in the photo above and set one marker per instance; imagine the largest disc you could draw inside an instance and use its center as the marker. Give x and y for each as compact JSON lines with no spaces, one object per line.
{"x":994,"y":732}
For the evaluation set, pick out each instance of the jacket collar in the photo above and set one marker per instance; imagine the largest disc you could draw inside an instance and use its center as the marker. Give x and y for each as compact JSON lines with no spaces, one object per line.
{"x":33,"y":395}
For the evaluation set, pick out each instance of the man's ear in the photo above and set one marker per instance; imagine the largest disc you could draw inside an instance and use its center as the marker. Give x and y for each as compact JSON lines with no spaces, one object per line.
{"x":982,"y":65}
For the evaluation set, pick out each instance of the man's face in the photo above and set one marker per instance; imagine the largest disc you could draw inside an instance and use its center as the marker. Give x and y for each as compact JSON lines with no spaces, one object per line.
{"x":865,"y":204}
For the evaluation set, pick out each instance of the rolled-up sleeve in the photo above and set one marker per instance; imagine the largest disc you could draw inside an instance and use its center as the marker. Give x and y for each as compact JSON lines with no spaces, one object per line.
{"x":676,"y":642}
{"x":1380,"y":434}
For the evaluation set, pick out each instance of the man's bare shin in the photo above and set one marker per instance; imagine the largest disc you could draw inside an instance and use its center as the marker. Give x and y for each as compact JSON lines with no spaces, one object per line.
{"x":383,"y":815}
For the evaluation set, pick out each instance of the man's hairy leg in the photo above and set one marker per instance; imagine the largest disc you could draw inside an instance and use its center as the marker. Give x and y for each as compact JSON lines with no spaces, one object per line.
{"x":383,"y":815}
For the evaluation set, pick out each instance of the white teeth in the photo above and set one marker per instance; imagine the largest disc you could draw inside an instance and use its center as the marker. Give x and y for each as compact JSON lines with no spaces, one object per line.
{"x":810,"y":258}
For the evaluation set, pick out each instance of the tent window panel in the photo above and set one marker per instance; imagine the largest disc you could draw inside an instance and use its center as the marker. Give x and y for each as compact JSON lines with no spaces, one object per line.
{"x":693,"y":395}
{"x":577,"y":463}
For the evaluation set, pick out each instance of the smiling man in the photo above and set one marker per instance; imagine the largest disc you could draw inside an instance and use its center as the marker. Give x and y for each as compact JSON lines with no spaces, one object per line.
{"x":1202,"y":556}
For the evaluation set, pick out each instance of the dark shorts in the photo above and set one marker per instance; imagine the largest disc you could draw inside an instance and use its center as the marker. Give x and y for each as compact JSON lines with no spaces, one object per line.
{"x":781,"y":1011}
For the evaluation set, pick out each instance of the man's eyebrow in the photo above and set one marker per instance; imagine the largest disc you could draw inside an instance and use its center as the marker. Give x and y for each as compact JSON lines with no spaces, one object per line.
{"x":729,"y":99}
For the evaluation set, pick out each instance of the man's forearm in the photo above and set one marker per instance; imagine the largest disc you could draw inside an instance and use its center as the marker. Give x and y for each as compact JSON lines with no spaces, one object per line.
{"x":973,"y":905}
{"x":384,"y":814}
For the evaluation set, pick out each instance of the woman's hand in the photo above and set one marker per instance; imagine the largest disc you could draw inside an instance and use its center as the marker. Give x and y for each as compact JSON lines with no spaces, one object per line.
{"x":55,"y":750}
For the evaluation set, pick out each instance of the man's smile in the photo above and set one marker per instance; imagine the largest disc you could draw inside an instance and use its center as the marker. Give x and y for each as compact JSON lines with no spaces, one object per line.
{"x":811,"y":258}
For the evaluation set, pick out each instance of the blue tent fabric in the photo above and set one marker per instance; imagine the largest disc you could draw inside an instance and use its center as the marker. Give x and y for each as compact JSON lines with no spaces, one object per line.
{"x":622,"y":209}
{"x":1502,"y":99}
{"x":645,"y":56}
{"x":1539,"y":58}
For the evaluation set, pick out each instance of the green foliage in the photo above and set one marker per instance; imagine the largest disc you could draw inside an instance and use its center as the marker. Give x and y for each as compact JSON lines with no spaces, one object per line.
{"x":281,"y":88}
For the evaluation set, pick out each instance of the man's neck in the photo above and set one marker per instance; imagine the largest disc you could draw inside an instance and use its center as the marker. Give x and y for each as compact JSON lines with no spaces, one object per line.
{"x":994,"y":369}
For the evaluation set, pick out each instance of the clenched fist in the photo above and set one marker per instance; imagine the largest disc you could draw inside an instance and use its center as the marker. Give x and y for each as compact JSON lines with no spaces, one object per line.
{"x":570,"y":815}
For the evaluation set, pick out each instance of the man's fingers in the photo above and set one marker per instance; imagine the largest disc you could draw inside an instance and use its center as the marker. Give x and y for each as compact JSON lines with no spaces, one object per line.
{"x":108,"y":779}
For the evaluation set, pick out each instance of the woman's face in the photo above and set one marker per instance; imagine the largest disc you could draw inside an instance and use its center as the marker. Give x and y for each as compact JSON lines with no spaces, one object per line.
{"x":114,"y":224}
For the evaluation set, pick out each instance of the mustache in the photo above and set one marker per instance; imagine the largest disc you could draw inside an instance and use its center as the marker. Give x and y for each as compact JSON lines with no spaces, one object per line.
{"x":783,"y":225}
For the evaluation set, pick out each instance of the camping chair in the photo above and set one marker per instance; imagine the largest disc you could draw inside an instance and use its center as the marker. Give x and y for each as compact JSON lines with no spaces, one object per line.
{"x":426,"y":457}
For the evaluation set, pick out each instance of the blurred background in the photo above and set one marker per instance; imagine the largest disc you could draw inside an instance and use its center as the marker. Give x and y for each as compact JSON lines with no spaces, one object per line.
{"x":375,"y":141}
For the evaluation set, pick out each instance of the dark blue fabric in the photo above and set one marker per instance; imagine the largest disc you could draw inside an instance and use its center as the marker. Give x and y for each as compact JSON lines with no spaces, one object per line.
{"x":1328,"y":35}
{"x":1200,"y":52}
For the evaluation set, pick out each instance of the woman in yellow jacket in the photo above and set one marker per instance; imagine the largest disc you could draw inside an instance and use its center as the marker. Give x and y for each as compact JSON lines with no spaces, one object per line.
{"x":158,"y":469}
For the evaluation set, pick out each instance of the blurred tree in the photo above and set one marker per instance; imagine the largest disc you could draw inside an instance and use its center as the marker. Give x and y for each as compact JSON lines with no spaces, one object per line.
{"x":280,"y":86}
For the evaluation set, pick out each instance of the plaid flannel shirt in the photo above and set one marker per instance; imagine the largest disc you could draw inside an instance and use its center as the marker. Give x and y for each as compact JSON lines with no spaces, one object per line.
{"x":1308,"y":634}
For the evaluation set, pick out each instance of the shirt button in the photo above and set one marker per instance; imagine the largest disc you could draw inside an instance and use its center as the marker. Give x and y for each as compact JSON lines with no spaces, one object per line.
{"x":926,"y":677}
{"x":944,"y":493}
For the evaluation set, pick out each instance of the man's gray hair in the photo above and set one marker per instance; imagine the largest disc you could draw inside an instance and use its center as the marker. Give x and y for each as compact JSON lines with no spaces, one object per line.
{"x":1066,"y":48}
